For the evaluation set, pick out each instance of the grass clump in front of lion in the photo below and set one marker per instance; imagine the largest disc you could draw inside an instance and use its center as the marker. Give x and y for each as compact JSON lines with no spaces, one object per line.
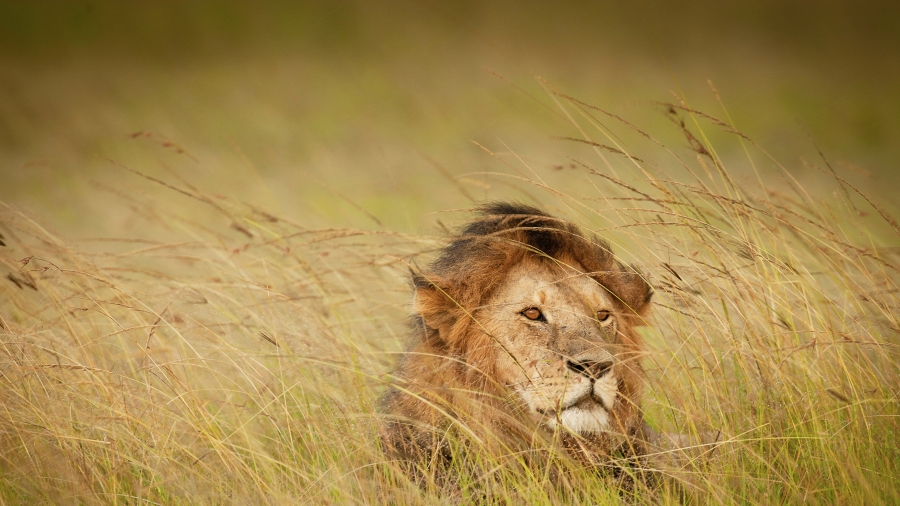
{"x":239,"y":357}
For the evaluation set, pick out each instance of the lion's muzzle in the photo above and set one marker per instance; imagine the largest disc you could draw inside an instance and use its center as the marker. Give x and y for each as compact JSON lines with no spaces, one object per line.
{"x":581,"y":402}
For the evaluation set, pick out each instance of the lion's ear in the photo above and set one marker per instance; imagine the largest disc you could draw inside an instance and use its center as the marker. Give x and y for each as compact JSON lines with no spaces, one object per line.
{"x":433,"y":302}
{"x":644,"y":307}
{"x":635,"y":292}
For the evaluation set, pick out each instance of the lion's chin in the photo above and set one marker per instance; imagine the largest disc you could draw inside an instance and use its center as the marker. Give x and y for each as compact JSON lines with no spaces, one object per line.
{"x":583,"y":418}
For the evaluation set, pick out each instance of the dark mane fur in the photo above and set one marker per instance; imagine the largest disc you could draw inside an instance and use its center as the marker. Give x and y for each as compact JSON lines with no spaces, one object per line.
{"x":484,"y":250}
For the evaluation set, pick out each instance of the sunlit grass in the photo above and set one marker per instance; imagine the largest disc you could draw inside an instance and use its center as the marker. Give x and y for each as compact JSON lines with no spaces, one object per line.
{"x":239,"y":358}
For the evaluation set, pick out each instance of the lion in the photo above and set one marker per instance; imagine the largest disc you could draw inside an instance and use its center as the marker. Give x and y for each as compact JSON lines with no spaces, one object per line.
{"x":524,"y":327}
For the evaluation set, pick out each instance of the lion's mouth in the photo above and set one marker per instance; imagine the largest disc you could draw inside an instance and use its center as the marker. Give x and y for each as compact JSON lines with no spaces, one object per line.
{"x":587,"y":415}
{"x":591,"y":400}
{"x":588,"y":401}
{"x":581,"y":407}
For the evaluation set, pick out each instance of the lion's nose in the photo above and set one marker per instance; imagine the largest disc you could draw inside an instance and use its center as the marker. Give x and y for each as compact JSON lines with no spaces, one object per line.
{"x":594,"y":369}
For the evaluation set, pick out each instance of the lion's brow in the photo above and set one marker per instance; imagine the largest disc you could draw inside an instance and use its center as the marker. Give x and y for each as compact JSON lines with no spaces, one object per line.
{"x":590,"y":275}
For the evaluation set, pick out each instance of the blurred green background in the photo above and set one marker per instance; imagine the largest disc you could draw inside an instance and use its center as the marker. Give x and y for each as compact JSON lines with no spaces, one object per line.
{"x":302,"y":107}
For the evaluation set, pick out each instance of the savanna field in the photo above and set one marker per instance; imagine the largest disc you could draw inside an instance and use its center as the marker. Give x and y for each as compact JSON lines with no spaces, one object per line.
{"x":209,"y":213}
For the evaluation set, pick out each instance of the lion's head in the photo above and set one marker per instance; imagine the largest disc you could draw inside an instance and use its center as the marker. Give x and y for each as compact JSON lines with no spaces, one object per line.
{"x":533,"y":318}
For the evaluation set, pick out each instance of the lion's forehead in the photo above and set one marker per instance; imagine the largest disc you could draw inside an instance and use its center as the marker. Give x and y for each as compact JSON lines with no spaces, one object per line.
{"x":555,"y":287}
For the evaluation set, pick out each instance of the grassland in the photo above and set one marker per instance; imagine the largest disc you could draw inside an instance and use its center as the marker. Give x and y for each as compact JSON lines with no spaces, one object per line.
{"x":206,"y":237}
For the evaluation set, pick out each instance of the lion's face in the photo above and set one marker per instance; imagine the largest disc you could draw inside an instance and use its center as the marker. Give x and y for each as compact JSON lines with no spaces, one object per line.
{"x":560,"y":344}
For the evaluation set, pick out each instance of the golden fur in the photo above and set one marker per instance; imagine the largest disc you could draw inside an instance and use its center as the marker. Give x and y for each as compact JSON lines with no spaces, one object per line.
{"x":523,"y":326}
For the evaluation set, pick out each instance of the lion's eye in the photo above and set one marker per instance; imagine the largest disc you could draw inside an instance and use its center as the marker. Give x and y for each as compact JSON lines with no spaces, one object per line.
{"x":533,"y":313}
{"x":603,"y":315}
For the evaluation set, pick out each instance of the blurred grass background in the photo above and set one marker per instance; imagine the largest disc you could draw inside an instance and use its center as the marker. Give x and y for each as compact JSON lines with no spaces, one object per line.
{"x":288,"y":127}
{"x":301,"y":107}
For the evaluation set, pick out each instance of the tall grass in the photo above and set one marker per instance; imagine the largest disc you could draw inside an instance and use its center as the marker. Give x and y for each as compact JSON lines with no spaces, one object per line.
{"x":239,"y":358}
